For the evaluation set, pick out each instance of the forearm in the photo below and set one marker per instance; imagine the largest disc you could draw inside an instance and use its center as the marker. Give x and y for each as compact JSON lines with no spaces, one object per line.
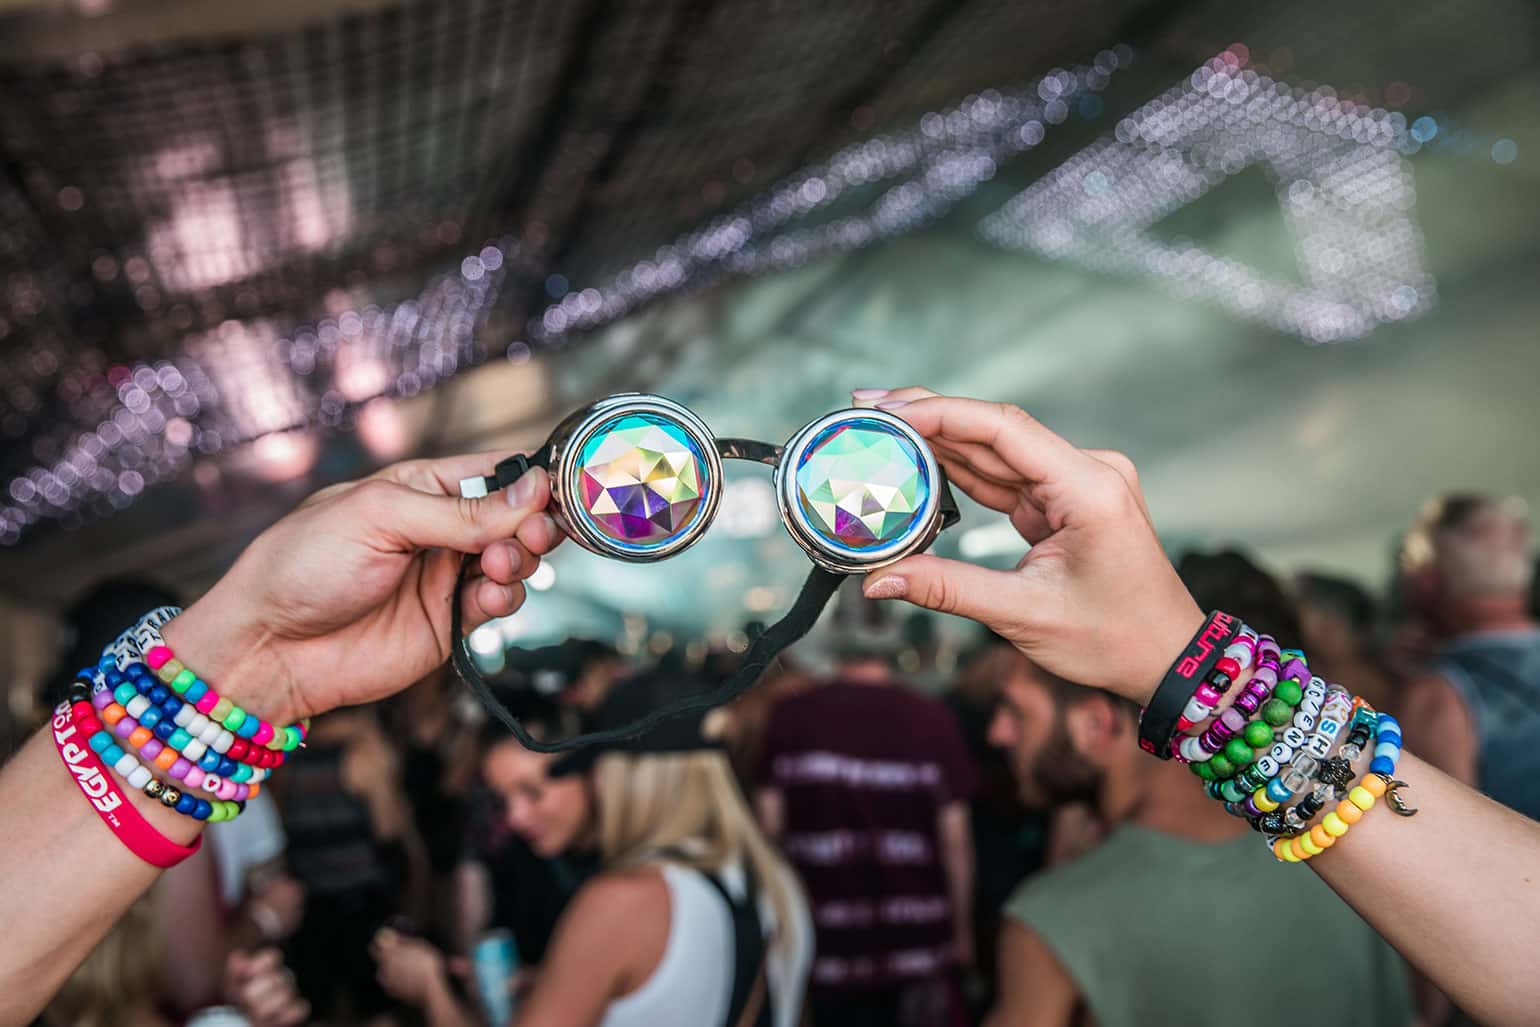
{"x":1417,"y":881}
{"x":64,"y":878}
{"x":443,"y":1009}
{"x":958,"y":864}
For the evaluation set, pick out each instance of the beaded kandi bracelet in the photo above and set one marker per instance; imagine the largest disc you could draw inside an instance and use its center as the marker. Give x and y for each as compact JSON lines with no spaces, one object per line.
{"x":101,"y":741}
{"x":122,"y":727}
{"x":1202,"y":747}
{"x":174,"y":714}
{"x":1326,"y":709}
{"x":1376,"y":784}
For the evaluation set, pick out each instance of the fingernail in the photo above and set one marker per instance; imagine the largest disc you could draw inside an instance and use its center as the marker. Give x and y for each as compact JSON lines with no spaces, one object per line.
{"x":521,"y":495}
{"x":890,"y":587}
{"x":867,"y":394}
{"x":892,"y":404}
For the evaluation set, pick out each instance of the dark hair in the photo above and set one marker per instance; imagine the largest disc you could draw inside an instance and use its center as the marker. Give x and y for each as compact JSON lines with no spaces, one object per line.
{"x":542,"y":717}
{"x":1063,"y":691}
{"x":1340,"y":595}
{"x":1231,"y":581}
{"x":94,"y":620}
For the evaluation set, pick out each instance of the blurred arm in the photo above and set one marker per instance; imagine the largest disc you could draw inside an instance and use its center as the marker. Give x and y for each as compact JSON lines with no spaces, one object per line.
{"x":1034,"y":988}
{"x":953,"y":827}
{"x":1439,"y":726}
{"x":770,"y":807}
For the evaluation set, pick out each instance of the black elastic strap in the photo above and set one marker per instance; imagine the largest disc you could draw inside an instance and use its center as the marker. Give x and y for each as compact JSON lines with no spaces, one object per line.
{"x":750,"y":954}
{"x":1157,"y":724}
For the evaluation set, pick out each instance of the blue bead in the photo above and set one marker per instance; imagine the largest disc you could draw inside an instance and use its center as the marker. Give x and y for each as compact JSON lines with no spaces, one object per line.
{"x":114,"y":677}
{"x":248,"y":727}
{"x":1277,"y":792}
{"x":203,"y":809}
{"x":123,"y":693}
{"x":195,"y":691}
{"x":164,"y":729}
{"x":112,"y":754}
{"x":227,"y":766}
{"x":106,"y":661}
{"x":1388,"y":738}
{"x":159,"y":693}
{"x":1381,"y":765}
{"x":186,"y":804}
{"x":209,"y":762}
{"x":150,"y":717}
{"x":99,"y":741}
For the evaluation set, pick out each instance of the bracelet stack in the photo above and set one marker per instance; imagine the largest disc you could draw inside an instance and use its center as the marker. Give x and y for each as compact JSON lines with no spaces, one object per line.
{"x":1269,"y":757}
{"x":142,"y":712}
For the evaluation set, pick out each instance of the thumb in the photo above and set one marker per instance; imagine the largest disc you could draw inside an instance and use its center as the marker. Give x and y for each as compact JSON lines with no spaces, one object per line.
{"x":993,"y":598}
{"x":421,"y":520}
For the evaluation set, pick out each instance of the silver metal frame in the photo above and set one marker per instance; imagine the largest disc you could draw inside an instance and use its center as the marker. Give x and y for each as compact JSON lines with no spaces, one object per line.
{"x":574,"y":431}
{"x":806,"y":536}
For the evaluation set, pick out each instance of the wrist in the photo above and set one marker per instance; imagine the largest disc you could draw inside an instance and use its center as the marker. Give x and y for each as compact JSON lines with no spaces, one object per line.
{"x":215,"y":641}
{"x":1166,"y":643}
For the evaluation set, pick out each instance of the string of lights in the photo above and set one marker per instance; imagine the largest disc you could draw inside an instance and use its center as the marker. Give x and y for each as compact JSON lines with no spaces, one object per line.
{"x":1341,"y":178}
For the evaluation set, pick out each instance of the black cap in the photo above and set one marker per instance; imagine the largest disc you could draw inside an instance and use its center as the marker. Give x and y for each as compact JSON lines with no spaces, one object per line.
{"x":630,"y":701}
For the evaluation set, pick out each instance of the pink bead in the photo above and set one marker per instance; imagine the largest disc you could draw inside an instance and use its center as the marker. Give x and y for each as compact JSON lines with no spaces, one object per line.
{"x":226,"y":789}
{"x":264,"y":734}
{"x":157,"y":656}
{"x":151,"y":749}
{"x":180,"y":769}
{"x":125,"y":727}
{"x":1208,"y":695}
{"x":1233,"y":719}
{"x":101,"y":700}
{"x":208,"y":702}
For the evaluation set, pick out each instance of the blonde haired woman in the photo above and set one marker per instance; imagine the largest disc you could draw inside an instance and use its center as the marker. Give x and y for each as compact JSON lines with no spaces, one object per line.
{"x":694,"y":921}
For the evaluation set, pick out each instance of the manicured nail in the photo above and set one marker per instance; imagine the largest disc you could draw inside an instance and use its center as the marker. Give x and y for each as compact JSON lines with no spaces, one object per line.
{"x":521,"y":495}
{"x":866,"y":395}
{"x":890,"y":587}
{"x":892,"y":404}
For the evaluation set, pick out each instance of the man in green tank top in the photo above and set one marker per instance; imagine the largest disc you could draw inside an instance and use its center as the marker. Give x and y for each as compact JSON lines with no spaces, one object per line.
{"x":1180,"y":915}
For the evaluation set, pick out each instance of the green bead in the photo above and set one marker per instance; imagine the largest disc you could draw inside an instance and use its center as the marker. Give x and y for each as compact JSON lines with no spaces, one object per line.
{"x":236,"y":718}
{"x":1276,"y":712}
{"x":1232,"y":792}
{"x":292,"y":739}
{"x":1220,"y":765}
{"x":123,"y":693}
{"x":1239,"y":752}
{"x":1289,"y":691}
{"x":1203,"y":770}
{"x":1258,"y":735}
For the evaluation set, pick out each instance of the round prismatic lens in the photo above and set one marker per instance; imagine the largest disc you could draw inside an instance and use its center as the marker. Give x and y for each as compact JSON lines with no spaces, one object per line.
{"x":643,"y":481}
{"x":862,"y":485}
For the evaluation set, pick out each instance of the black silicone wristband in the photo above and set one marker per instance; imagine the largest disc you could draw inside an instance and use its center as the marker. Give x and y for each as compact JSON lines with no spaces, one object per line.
{"x":1157,"y":724}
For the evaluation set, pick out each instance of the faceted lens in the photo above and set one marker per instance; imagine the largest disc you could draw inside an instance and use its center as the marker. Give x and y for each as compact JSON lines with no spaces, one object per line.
{"x":861,"y":484}
{"x":642,"y":480}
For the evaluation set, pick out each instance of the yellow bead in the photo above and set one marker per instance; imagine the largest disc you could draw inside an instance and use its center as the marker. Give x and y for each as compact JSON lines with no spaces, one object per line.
{"x":1334,"y":825}
{"x":1308,"y":844}
{"x":169,"y":670}
{"x":1361,"y":798}
{"x":1263,"y":803}
{"x":221,"y":710}
{"x":1281,"y":850}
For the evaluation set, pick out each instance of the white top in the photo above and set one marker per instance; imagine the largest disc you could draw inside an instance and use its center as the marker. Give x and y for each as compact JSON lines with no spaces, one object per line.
{"x":693,"y":982}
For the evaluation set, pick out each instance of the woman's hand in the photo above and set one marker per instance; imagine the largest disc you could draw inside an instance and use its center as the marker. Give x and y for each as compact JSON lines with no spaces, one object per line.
{"x":263,"y":988}
{"x":347,"y":599}
{"x":1094,"y":600}
{"x":410,"y":969}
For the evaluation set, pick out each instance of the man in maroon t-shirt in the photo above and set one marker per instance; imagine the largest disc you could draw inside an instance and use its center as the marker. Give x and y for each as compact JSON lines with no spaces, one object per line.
{"x":865,"y":785}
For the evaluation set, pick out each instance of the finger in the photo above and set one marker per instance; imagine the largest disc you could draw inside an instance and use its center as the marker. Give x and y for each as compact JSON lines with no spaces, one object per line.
{"x":266,"y":960}
{"x":539,"y":534}
{"x":408,"y":519}
{"x":993,"y":598}
{"x":1025,"y":445}
{"x":871,"y":397}
{"x":506,"y":562}
{"x":442,"y":476}
{"x":981,"y":458}
{"x":1127,"y":471}
{"x":267,"y":993}
{"x":486,"y":600}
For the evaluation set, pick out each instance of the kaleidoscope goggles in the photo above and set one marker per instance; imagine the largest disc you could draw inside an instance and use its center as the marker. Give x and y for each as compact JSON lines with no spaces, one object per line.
{"x":639,"y":478}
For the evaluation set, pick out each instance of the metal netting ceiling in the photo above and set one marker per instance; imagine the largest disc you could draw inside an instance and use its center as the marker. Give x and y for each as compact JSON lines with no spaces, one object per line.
{"x":205,"y":239}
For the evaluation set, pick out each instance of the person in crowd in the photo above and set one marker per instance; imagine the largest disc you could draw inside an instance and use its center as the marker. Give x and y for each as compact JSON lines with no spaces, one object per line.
{"x":1337,"y":627}
{"x":1008,"y":839}
{"x":1475,"y":712}
{"x":866,"y":784}
{"x":695,"y":918}
{"x":596,"y":667}
{"x":1232,"y":581}
{"x":262,"y":989}
{"x":364,"y":577}
{"x":1171,"y":859}
{"x":354,"y":848}
{"x":529,"y":843}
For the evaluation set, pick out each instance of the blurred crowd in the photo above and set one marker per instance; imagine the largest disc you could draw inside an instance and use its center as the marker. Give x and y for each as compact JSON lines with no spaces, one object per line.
{"x":879,"y":839}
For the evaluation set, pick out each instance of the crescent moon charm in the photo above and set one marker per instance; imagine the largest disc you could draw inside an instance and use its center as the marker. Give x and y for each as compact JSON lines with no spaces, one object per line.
{"x":1398,"y":804}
